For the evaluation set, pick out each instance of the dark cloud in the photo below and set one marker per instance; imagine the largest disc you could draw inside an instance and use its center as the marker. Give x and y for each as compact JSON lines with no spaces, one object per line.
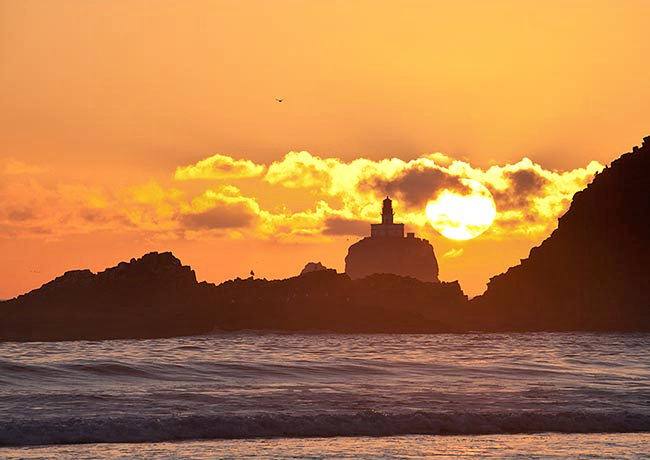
{"x":21,"y":214}
{"x":524,"y":185}
{"x":526,"y":181}
{"x":416,"y":186}
{"x":38,"y":230}
{"x":221,"y":216}
{"x":509,"y":224}
{"x":341,"y":226}
{"x":93,"y":215}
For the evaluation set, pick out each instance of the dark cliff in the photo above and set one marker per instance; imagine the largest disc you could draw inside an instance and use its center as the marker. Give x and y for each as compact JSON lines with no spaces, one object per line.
{"x":592,"y":272}
{"x":413,"y":257}
{"x":154,"y":296}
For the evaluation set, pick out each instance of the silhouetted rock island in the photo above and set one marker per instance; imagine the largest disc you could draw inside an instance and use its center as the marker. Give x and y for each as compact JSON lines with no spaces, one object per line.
{"x":313,"y":267}
{"x":388,"y":251}
{"x":157,"y":296}
{"x":590,"y":274}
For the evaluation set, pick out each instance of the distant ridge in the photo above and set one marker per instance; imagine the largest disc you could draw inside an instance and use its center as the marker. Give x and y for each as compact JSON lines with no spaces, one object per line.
{"x":593,"y":272}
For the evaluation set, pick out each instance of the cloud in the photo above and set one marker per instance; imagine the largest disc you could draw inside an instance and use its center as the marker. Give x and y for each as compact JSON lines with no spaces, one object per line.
{"x":302,"y":170}
{"x":20,"y":214}
{"x":453,"y":253}
{"x":524,"y":192}
{"x":286,"y":225}
{"x":523,"y":185}
{"x":221,"y":216}
{"x":530,"y":198}
{"x":147,"y":207}
{"x":219,"y":167}
{"x":223,"y":208}
{"x":415,"y":185}
{"x":29,"y":208}
{"x":301,"y":196}
{"x":341,"y":226}
{"x":345,"y":195}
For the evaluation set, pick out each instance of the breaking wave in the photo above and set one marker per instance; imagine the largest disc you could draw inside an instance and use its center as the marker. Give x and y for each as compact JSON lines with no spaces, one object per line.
{"x":61,"y":430}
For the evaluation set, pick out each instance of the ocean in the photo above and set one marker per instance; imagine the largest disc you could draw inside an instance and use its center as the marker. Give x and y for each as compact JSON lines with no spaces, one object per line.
{"x":315,"y":395}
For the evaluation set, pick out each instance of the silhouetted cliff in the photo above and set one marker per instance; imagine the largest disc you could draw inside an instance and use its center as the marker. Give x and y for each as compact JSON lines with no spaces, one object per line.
{"x":593,"y":272}
{"x":410,"y":256}
{"x":154,"y":296}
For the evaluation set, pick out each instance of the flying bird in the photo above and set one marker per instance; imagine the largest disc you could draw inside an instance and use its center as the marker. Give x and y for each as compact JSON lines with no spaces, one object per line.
{"x":279,"y":100}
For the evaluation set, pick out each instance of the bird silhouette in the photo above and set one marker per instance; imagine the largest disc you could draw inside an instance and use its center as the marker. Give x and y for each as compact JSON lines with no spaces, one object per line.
{"x":279,"y":100}
{"x":252,"y":273}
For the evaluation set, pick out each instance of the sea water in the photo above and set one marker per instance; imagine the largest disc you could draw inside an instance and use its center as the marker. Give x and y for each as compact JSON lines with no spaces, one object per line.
{"x":328,"y":396}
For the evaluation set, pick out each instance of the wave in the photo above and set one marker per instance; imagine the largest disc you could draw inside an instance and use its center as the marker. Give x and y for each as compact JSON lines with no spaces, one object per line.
{"x":22,"y":371}
{"x":188,"y":370}
{"x":70,"y":430}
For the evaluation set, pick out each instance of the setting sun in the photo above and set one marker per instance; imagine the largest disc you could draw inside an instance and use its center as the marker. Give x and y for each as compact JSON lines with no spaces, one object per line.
{"x":462,"y":217}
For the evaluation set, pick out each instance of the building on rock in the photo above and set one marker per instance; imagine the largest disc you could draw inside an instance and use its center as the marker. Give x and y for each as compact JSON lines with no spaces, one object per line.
{"x":386,"y":250}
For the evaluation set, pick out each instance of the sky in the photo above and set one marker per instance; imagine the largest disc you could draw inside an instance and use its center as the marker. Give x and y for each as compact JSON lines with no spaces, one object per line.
{"x":133,"y":126}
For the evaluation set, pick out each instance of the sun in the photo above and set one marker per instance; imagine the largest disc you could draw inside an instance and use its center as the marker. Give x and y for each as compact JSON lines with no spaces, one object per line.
{"x":462,"y":217}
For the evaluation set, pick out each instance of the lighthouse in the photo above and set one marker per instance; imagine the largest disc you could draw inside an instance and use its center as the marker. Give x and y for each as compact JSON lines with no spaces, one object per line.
{"x":387,"y":212}
{"x":387,"y":228}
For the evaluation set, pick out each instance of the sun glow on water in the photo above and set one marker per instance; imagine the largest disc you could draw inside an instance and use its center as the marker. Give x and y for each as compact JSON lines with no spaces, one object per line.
{"x":462,"y":217}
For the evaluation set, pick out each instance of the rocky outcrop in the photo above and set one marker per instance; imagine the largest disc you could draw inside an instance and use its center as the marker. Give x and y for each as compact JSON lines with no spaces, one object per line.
{"x":412,"y":257}
{"x":313,"y":267}
{"x":154,"y":296}
{"x":592,"y":272}
{"x":326,"y":300}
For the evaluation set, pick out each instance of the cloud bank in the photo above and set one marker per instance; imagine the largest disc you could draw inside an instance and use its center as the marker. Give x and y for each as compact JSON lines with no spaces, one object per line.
{"x":219,"y":167}
{"x":306,"y":196}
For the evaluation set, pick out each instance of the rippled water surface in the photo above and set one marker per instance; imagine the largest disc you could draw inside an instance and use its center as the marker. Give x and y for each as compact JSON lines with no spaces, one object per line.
{"x":535,"y":446}
{"x":249,"y":385}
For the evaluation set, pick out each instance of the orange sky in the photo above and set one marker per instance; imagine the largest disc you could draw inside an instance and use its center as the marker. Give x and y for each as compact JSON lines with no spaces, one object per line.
{"x":102,"y":102}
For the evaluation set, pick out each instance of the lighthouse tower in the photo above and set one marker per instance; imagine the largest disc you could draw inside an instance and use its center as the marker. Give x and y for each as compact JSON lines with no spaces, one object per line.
{"x":387,"y":228}
{"x":387,"y":212}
